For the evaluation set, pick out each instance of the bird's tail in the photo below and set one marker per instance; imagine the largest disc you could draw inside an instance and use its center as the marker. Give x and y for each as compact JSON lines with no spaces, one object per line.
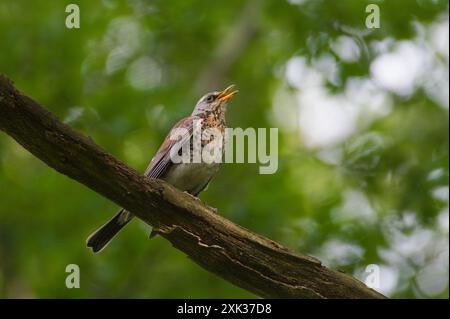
{"x":102,"y":236}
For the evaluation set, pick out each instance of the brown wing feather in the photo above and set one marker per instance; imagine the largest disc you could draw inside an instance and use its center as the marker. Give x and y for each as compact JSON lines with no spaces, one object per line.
{"x":161,"y":162}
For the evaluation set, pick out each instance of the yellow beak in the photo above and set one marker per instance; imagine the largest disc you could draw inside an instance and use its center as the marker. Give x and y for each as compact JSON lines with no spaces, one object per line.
{"x":227,"y":94}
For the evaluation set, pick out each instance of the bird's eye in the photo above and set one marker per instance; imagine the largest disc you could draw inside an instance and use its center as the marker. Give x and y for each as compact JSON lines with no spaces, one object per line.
{"x":210,"y":98}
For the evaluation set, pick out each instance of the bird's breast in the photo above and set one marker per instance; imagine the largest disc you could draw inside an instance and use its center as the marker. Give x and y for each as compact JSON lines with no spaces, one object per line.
{"x":191,"y":177}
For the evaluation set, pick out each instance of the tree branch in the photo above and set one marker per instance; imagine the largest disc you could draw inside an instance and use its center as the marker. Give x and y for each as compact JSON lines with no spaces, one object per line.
{"x":241,"y":257}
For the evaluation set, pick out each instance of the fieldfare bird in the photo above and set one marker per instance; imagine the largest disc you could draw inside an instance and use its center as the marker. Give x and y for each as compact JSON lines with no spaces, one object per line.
{"x":178,"y":160}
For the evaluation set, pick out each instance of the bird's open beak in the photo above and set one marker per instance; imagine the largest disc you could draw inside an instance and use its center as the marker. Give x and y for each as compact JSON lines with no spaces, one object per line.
{"x":227,"y":94}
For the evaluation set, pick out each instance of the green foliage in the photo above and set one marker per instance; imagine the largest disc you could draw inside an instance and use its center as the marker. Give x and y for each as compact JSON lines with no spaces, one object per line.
{"x":376,"y":195}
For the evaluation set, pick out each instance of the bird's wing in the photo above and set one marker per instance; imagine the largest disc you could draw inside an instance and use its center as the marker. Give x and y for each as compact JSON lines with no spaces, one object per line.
{"x":161,"y":162}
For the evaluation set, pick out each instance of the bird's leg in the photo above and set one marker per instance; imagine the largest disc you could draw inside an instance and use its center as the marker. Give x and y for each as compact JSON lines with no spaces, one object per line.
{"x":194,"y":196}
{"x":153,"y":233}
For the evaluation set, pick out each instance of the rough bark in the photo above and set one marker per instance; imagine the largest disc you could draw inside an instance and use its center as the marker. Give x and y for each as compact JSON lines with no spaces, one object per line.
{"x":239,"y":256}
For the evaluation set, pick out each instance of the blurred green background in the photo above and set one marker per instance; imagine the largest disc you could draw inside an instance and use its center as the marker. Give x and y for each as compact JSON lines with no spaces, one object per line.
{"x":363,"y":127}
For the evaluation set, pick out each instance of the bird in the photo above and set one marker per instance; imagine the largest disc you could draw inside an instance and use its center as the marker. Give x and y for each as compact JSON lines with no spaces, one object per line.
{"x":189,"y":175}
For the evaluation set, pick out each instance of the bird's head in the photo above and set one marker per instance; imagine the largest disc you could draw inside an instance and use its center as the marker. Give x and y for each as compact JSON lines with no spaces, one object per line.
{"x":215,"y":101}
